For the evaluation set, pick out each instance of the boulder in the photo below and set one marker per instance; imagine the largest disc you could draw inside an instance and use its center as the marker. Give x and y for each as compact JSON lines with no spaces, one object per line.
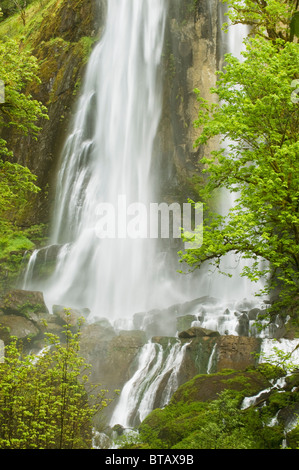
{"x":207,"y":387}
{"x":243,"y":325}
{"x":70,"y":316}
{"x":23,"y":303}
{"x":20,"y":327}
{"x":197,"y":331}
{"x":254,"y":313}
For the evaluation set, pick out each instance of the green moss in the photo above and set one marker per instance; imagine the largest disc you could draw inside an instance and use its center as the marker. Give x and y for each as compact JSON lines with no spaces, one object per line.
{"x":35,"y":13}
{"x":280,"y":400}
{"x":12,"y":249}
{"x":206,"y":387}
{"x":293,"y":438}
{"x":270,"y":372}
{"x":164,"y":428}
{"x":48,"y":35}
{"x":205,"y":413}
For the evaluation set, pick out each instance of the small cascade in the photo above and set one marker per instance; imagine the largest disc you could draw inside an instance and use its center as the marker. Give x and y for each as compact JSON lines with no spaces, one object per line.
{"x":273,"y":351}
{"x":252,"y":401}
{"x":212,"y":359}
{"x":289,"y":347}
{"x":29,"y":271}
{"x":149,"y":360}
{"x":152,"y":385}
{"x":270,"y":351}
{"x":169,"y":370}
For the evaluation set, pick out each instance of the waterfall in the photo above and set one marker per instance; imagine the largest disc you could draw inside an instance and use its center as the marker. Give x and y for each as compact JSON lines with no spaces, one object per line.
{"x":127,"y":407}
{"x":106,"y":171}
{"x":105,"y":179}
{"x":156,"y":374}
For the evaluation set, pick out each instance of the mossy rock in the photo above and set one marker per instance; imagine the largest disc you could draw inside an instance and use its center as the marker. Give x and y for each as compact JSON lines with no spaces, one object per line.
{"x":207,"y":387}
{"x":21,"y":328}
{"x":69,"y":20}
{"x":23,"y":303}
{"x":180,"y":424}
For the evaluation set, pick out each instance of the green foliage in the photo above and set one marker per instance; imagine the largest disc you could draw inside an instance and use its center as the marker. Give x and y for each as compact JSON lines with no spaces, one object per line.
{"x":270,"y":19}
{"x":258,"y":161}
{"x":20,"y":112}
{"x":279,"y":360}
{"x":16,"y":183}
{"x":18,"y":69}
{"x":43,"y":399}
{"x":219,"y":424}
{"x":10,"y":7}
{"x":223,"y":427}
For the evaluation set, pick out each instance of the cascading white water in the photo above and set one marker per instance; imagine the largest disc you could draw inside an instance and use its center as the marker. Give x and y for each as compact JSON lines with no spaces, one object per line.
{"x":107,"y":155}
{"x":139,"y":394}
{"x":107,"y":160}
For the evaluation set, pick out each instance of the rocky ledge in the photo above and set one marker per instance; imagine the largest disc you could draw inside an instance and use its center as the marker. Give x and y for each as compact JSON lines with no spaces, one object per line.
{"x":113,"y":353}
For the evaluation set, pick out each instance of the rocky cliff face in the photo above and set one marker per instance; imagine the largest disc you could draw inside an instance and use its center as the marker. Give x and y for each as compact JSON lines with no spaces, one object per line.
{"x":62,"y":46}
{"x":114,"y":353}
{"x":210,"y":362}
{"x":191,"y":59}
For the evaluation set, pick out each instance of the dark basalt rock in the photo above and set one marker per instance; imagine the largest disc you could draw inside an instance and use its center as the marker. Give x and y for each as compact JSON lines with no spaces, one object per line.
{"x":197,"y":331}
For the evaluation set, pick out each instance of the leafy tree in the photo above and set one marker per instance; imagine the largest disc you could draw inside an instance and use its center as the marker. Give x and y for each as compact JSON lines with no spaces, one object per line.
{"x":271,"y":19}
{"x":21,"y":7}
{"x":43,"y":399}
{"x":257,"y":123}
{"x":18,"y":69}
{"x":19,"y":111}
{"x":10,"y":7}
